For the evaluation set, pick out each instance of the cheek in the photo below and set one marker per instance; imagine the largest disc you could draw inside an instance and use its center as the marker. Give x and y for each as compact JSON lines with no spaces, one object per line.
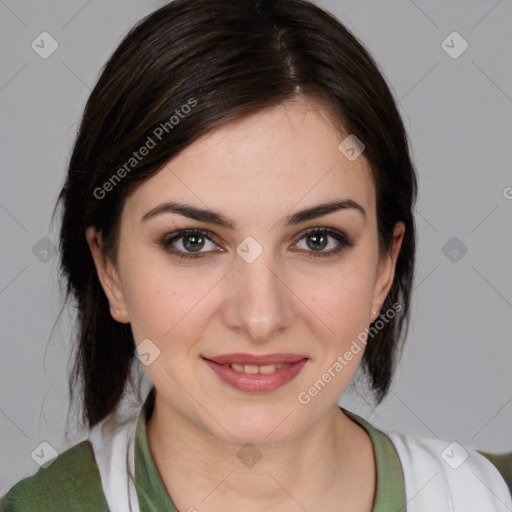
{"x":164,"y":305}
{"x":169,"y":311}
{"x":339,"y":301}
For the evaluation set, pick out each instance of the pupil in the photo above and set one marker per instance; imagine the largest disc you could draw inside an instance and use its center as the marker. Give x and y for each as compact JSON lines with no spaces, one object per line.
{"x":318,"y":241}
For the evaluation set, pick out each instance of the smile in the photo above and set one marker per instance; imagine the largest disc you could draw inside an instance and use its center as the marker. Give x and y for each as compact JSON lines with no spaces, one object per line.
{"x":256,"y":374}
{"x":252,"y":368}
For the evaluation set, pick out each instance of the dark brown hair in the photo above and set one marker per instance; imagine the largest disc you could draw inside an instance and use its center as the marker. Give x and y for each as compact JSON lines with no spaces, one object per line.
{"x":226,"y":59}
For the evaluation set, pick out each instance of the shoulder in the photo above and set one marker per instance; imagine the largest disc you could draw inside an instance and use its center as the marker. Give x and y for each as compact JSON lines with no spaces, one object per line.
{"x":503,"y":462}
{"x":71,"y":483}
{"x":437,"y":471}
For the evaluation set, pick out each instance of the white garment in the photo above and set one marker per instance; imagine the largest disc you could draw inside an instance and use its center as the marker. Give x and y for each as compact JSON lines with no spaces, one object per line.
{"x":114,"y":450}
{"x":431,"y":485}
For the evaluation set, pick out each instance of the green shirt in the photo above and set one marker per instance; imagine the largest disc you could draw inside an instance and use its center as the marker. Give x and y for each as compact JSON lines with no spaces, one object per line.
{"x":72,"y":482}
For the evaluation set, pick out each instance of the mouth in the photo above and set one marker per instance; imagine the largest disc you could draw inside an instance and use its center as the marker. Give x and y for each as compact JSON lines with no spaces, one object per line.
{"x":253,"y":368}
{"x":256,"y":374}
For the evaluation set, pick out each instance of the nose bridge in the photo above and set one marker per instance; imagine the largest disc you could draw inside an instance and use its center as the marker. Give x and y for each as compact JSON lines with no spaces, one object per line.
{"x":259,"y":301}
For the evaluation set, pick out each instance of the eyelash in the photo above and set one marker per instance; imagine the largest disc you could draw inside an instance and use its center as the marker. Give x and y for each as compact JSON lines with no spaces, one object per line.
{"x":167,"y":241}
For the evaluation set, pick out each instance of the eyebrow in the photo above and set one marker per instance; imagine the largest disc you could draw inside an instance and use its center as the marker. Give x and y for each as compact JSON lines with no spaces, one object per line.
{"x":219,"y":219}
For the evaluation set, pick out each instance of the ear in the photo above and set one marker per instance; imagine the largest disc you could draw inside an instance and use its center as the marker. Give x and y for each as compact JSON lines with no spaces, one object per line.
{"x":108,"y":276}
{"x":386,"y":271}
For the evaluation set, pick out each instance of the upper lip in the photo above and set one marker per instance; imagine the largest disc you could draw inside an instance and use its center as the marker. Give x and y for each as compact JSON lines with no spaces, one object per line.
{"x":258,"y":360}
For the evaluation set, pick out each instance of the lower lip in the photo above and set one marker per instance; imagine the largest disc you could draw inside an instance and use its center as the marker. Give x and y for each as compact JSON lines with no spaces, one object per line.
{"x":257,"y":382}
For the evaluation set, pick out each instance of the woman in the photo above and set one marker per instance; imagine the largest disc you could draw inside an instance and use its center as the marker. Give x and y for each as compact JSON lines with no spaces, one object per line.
{"x":237,"y":214}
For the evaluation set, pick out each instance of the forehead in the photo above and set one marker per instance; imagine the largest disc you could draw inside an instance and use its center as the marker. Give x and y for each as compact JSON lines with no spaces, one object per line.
{"x":268,"y":161}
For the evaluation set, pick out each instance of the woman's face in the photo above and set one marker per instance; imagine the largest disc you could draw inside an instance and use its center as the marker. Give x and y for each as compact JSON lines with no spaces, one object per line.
{"x":262,"y":274}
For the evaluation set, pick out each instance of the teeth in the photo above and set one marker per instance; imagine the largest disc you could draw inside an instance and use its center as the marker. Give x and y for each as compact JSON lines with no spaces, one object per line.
{"x":252,"y":368}
{"x":270,"y":368}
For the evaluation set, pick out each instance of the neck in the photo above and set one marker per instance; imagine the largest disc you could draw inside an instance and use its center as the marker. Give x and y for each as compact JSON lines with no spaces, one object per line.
{"x":334,"y":457}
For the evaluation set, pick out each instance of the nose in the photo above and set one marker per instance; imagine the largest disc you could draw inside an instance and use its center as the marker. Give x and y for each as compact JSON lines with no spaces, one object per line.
{"x":259,"y":304}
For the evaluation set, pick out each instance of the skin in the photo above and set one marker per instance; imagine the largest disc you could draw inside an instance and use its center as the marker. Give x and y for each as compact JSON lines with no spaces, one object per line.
{"x":256,"y":171}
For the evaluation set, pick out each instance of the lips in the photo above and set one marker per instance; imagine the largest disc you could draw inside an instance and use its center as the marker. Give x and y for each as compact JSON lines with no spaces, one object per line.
{"x":256,"y":374}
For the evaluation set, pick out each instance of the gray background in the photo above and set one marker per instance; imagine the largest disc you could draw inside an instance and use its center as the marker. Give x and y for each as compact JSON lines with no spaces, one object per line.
{"x":454,"y":379}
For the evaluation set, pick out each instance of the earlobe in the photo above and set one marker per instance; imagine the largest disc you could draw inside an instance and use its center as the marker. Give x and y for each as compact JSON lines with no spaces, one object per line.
{"x":108,"y":276}
{"x":386,"y":271}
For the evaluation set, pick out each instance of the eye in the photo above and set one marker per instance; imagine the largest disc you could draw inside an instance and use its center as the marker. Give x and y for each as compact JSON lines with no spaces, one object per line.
{"x":188,"y":243}
{"x":196,"y":243}
{"x":316,"y":241}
